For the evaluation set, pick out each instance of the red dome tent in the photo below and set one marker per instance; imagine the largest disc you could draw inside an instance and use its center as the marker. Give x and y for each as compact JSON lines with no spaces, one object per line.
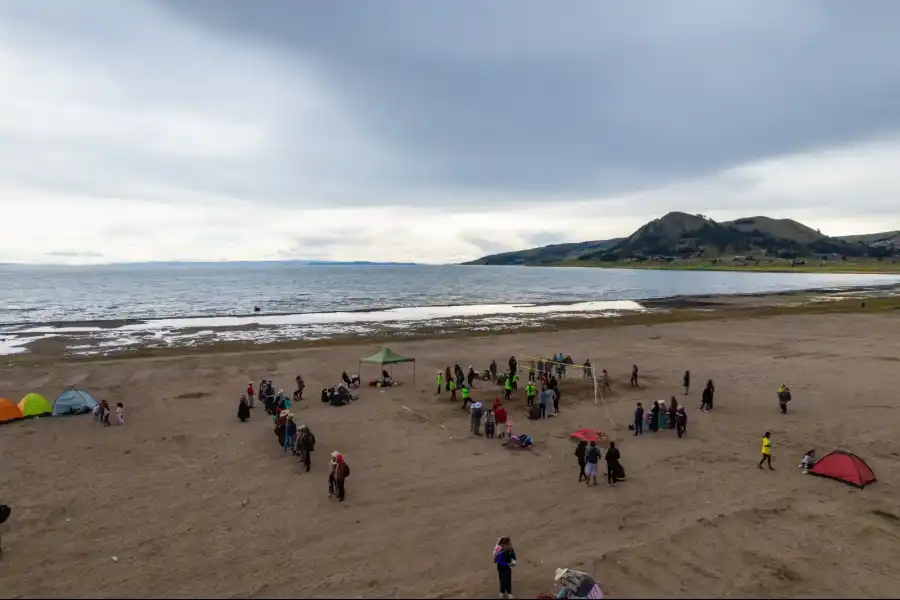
{"x":846,"y":467}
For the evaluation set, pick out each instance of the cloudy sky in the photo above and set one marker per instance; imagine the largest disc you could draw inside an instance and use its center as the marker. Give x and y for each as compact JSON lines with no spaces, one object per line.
{"x":433,"y":131}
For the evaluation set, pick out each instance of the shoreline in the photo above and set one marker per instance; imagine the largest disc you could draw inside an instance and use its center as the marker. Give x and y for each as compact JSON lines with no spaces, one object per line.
{"x":855,"y":268}
{"x":662,"y":310}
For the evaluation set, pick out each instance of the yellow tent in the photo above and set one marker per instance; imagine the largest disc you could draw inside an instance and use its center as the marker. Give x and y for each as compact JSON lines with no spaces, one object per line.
{"x":34,"y":405}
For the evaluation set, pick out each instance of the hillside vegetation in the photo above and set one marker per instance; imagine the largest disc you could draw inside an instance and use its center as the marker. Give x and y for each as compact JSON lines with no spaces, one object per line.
{"x":679,"y":237}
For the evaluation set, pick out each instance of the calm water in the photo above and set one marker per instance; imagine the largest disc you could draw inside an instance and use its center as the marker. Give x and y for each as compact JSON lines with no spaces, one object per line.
{"x":46,"y":295}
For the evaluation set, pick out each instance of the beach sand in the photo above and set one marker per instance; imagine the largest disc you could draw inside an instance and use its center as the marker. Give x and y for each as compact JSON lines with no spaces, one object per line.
{"x":194,"y":503}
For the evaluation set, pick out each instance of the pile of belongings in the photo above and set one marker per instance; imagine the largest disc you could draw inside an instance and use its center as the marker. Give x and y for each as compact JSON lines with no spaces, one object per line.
{"x":575,"y":584}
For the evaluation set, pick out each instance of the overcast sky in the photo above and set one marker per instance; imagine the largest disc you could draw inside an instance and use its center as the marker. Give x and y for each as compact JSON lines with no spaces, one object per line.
{"x":434,"y":131}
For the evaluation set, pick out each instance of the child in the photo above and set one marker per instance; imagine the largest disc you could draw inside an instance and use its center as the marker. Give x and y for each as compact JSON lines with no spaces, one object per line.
{"x":508,"y":429}
{"x":120,"y":413}
{"x":104,"y":414}
{"x":490,"y":424}
{"x":98,"y":412}
{"x":809,"y":459}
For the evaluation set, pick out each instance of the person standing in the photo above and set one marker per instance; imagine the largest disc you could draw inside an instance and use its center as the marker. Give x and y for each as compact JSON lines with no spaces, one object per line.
{"x":544,"y":400}
{"x":639,"y":419}
{"x":493,"y":370}
{"x":505,"y":559}
{"x":306,"y":443}
{"x":766,"y":451}
{"x":531,"y":371}
{"x":580,"y":452}
{"x":687,"y":382}
{"x":681,"y":421}
{"x":513,"y":365}
{"x":250,"y":394}
{"x":555,"y":391}
{"x":477,"y":412}
{"x":341,"y":473}
{"x":447,"y":378}
{"x":706,"y":400}
{"x":507,"y":387}
{"x":784,"y":396}
{"x":612,"y":464}
{"x":243,"y":409}
{"x":591,"y":458}
{"x":452,"y":385}
{"x":440,"y":383}
{"x":530,"y":393}
{"x":332,"y":488}
{"x":633,"y":382}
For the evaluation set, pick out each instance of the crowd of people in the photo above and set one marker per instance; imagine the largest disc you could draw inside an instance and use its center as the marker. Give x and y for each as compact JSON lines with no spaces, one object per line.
{"x":494,"y":421}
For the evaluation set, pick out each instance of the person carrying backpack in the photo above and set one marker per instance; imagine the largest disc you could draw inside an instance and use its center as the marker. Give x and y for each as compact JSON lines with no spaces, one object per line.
{"x":341,"y":473}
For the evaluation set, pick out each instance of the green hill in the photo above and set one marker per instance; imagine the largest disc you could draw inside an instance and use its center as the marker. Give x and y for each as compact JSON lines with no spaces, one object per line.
{"x":679,"y":235}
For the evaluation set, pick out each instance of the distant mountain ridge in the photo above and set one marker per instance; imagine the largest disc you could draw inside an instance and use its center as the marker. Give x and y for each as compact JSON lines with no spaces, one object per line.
{"x":682,"y":235}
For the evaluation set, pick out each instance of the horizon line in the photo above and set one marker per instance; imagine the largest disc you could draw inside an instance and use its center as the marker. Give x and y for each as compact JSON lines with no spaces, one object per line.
{"x":221,"y":262}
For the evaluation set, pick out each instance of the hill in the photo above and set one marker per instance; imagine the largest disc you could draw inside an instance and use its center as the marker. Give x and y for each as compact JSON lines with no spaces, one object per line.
{"x":554,"y":253}
{"x":679,"y":235}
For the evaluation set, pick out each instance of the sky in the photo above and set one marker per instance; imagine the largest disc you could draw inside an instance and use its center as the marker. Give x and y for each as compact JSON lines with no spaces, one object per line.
{"x":433,"y":131}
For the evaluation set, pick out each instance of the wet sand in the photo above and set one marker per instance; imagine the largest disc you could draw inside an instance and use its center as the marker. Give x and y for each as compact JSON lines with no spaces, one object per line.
{"x":194,"y":503}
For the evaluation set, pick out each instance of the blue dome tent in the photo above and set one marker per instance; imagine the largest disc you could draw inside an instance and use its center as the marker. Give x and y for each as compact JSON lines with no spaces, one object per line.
{"x":73,"y":402}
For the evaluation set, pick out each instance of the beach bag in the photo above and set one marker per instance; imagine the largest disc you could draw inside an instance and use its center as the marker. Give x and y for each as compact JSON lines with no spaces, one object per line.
{"x":5,"y":511}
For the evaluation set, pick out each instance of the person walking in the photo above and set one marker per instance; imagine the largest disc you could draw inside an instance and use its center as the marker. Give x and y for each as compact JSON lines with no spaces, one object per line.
{"x":505,"y":559}
{"x":784,"y":396}
{"x":687,"y":382}
{"x":580,"y":452}
{"x":633,"y":382}
{"x":306,"y":443}
{"x":555,"y":391}
{"x":466,"y":398}
{"x":440,"y":383}
{"x":341,"y":473}
{"x":766,"y":451}
{"x":639,"y":419}
{"x":452,"y":385}
{"x":591,"y":458}
{"x":507,"y":387}
{"x":612,"y":464}
{"x":477,"y":412}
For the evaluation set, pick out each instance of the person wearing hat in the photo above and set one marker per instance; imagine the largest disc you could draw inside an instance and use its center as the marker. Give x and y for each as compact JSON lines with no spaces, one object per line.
{"x":476,"y":412}
{"x":341,"y":473}
{"x":306,"y":443}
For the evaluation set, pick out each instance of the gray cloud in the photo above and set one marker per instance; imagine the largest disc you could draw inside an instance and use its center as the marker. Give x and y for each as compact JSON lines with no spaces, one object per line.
{"x":520,"y":97}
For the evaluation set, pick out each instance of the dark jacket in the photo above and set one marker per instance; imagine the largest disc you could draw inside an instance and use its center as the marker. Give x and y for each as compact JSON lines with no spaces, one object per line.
{"x":592,"y":455}
{"x":580,"y":451}
{"x":612,"y":456}
{"x":639,"y":414}
{"x":504,"y":558}
{"x":707,"y":395}
{"x":341,"y":471}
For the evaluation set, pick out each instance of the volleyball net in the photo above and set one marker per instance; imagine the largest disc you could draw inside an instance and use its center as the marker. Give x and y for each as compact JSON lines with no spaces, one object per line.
{"x":584,"y":371}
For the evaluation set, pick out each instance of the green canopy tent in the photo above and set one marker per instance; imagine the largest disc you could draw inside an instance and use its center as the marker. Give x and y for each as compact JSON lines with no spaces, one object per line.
{"x":388,"y":357}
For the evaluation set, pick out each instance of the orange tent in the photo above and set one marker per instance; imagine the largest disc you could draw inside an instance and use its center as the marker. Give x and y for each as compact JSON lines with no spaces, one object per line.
{"x":9,"y":411}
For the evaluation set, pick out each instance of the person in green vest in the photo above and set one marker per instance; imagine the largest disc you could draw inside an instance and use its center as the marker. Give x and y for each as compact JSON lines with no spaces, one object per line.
{"x":440,"y":382}
{"x":464,"y":390}
{"x":530,"y":392}
{"x":452,"y":385}
{"x":515,"y":381}
{"x":508,"y":388}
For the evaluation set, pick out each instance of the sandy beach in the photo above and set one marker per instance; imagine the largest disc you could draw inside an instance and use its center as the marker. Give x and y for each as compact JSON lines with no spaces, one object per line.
{"x":192,"y":502}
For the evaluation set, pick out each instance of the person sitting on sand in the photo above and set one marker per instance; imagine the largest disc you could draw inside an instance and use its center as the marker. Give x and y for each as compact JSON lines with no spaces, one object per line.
{"x":386,"y":379}
{"x":809,"y":459}
{"x":243,"y":412}
{"x":350,"y":381}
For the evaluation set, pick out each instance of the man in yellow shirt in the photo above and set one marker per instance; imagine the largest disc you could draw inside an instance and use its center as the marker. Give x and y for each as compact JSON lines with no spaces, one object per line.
{"x":766,"y":451}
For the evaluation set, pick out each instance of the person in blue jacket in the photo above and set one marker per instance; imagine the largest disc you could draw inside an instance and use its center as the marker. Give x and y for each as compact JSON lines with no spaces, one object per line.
{"x":505,"y":559}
